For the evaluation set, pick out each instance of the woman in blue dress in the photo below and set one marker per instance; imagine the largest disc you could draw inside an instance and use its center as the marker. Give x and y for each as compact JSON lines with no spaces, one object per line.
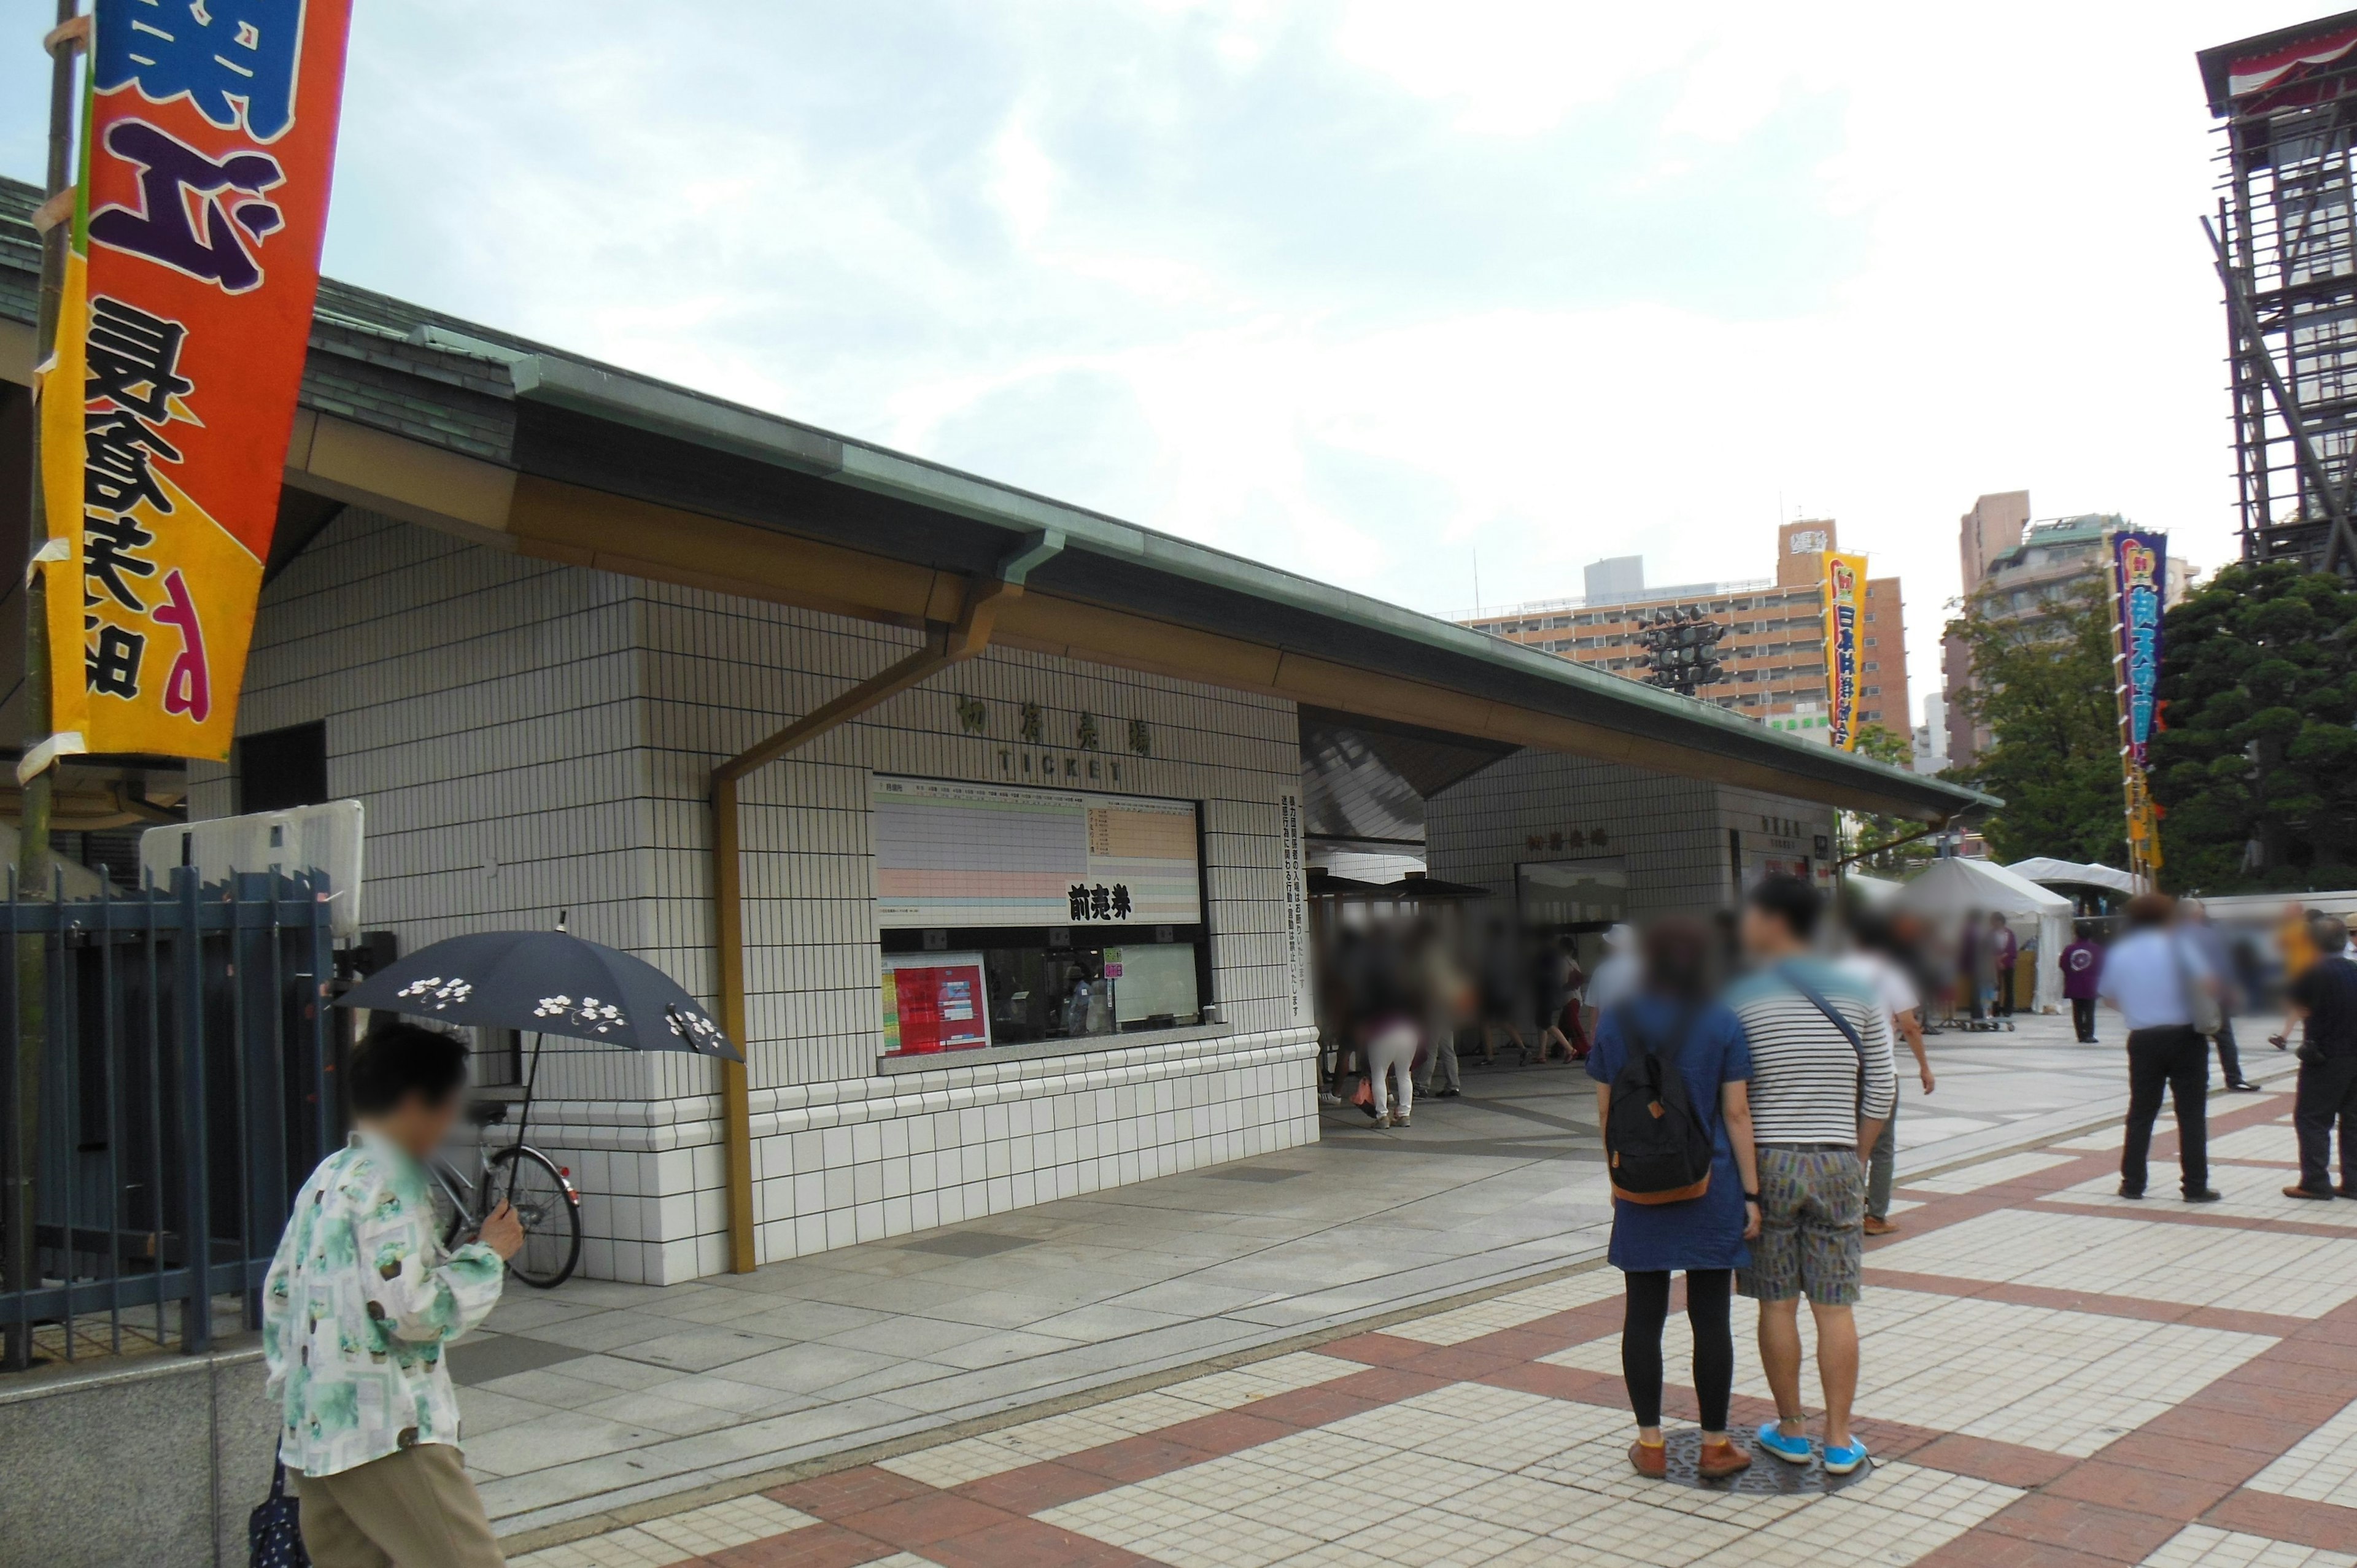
{"x":1703,"y":1236}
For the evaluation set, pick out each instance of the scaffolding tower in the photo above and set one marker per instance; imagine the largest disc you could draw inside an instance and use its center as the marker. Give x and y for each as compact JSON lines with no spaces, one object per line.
{"x":2285,"y":242}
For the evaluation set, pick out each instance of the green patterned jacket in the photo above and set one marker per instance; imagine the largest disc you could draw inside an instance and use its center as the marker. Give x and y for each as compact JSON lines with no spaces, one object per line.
{"x":357,"y":1307}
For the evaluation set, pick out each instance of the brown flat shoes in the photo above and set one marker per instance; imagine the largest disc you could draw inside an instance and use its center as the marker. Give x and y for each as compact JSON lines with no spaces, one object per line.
{"x":1718,"y":1459}
{"x":1714,"y":1461}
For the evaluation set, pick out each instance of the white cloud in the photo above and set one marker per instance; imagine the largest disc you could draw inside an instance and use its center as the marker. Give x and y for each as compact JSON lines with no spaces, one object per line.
{"x":1359,"y":286}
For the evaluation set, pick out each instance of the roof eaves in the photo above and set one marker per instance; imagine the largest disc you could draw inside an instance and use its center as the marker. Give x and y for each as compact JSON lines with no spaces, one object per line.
{"x":602,"y":392}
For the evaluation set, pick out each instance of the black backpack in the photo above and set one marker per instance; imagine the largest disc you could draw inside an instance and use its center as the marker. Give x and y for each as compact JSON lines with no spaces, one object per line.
{"x":1656,"y":1146}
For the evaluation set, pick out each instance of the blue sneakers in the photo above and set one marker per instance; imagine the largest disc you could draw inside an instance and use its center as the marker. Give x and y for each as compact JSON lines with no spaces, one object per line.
{"x":1796,"y":1450}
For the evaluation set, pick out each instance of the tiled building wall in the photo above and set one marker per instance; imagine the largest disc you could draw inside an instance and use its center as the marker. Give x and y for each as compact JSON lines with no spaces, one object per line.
{"x":1670,"y":834}
{"x":1665,"y":829}
{"x":528,"y":739}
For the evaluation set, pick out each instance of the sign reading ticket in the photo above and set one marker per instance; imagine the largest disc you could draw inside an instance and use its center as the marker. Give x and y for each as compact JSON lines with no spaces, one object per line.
{"x":964,"y":855}
{"x":208,"y":137}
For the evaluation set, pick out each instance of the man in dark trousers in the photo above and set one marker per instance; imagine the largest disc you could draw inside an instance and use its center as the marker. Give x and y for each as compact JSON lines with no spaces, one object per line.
{"x":2325,"y":996}
{"x":2003,"y":951}
{"x":2083,"y":967}
{"x":2154,"y":976}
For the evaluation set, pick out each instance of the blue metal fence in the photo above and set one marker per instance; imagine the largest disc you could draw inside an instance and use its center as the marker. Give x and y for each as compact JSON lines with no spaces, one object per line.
{"x":182,"y":1088}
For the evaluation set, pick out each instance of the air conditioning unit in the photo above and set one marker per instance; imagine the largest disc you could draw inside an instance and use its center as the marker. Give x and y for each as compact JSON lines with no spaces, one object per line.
{"x":324,"y":838}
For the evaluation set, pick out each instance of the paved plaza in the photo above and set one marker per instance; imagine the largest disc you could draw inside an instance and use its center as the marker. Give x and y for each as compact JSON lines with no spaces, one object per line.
{"x":1397,"y":1347}
{"x":2053,"y":1381}
{"x":600,"y":1396}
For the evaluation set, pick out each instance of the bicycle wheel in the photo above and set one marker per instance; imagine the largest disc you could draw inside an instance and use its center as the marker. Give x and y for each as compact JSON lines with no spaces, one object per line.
{"x":442,"y":1182}
{"x":549,"y":1210}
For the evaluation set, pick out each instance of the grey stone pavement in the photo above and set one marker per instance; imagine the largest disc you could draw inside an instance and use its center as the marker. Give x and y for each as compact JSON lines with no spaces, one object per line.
{"x":596,"y":1397}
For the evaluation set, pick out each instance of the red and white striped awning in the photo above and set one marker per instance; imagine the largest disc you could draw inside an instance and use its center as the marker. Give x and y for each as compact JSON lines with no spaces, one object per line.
{"x":2258,"y":72}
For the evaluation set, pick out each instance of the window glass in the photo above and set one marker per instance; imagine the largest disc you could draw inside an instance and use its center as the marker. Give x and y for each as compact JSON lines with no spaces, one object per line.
{"x":1011,"y":916}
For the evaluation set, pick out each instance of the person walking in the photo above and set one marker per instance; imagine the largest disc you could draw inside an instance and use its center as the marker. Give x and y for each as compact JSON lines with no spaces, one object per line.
{"x":1875,"y":963}
{"x":1500,"y":1003}
{"x":1440,"y":992}
{"x":2004,"y":950}
{"x":357,"y":1307}
{"x":1822,"y":1088}
{"x":1617,"y":974}
{"x":1674,"y":1021}
{"x":2210,"y":943}
{"x":2156,"y":979}
{"x":2082,"y":969}
{"x":1971,"y":955}
{"x":2324,"y":999}
{"x":1553,"y":978}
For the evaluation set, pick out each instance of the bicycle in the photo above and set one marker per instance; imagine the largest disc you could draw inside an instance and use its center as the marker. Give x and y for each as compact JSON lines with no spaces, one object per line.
{"x":547,"y":1203}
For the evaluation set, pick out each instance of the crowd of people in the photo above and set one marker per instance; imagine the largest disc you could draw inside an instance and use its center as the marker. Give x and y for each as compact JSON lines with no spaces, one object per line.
{"x":1748,"y":1126}
{"x":1747,"y":1129}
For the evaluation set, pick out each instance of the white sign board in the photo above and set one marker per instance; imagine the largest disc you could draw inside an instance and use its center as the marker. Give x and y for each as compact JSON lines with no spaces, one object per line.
{"x":965,"y":855}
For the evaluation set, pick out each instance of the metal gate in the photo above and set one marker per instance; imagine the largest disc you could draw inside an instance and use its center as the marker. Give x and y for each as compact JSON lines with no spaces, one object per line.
{"x":182,"y":1089}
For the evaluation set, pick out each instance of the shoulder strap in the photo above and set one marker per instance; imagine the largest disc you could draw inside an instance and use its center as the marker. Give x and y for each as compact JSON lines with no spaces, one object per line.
{"x":1641,"y":1042}
{"x":1849,"y":1033}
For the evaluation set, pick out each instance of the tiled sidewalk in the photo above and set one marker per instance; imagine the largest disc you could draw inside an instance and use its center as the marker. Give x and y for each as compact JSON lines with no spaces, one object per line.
{"x":2051,"y":1381}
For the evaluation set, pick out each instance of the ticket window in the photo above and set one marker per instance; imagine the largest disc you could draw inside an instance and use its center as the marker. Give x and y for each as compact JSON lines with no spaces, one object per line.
{"x":1014,"y":915}
{"x":1026,"y":987}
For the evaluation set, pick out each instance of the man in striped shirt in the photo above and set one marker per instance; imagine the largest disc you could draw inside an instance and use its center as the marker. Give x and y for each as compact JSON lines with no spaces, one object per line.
{"x":1823,"y":1085}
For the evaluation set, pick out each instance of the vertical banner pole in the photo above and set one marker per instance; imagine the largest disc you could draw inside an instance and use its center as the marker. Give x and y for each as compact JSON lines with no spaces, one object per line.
{"x":33,"y":787}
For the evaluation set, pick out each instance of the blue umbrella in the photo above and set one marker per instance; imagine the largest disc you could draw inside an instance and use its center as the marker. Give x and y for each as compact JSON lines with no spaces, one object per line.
{"x":550,"y":982}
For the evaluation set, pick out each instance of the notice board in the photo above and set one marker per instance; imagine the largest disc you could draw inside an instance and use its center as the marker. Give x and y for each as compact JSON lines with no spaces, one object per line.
{"x":967,"y":855}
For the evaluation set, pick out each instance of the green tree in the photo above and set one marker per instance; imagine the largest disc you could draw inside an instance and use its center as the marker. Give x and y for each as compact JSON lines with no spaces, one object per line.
{"x":1874,"y":839}
{"x":2258,"y":680}
{"x":2042,"y":684}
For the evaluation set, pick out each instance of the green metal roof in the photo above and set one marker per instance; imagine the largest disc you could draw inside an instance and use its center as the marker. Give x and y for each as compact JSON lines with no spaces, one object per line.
{"x":491,"y":395}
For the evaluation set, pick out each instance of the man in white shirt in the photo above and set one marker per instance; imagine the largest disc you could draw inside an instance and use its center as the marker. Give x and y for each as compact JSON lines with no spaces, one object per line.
{"x":1616,"y":977}
{"x":2154,"y":976}
{"x":1874,"y":960}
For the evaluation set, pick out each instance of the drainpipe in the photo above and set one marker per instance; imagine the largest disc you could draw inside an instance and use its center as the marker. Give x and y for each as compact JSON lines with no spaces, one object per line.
{"x":946,"y":643}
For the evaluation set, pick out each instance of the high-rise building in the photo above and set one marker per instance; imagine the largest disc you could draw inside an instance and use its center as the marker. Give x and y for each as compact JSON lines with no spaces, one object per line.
{"x":1774,"y":648}
{"x":1930,"y":746}
{"x":1993,"y":527}
{"x":2044,"y":564}
{"x":2285,"y":240}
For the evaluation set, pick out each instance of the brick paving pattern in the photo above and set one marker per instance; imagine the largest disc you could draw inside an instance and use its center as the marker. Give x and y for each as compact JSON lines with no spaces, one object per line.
{"x":2053,"y":1379}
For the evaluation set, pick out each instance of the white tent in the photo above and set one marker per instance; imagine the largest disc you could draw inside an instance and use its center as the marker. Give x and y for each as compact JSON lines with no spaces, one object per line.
{"x":1871,"y":891}
{"x":1950,"y":890}
{"x":2048,"y":872}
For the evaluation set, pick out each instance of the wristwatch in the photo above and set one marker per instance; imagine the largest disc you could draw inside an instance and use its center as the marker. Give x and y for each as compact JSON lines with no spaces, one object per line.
{"x":1750,"y":1197}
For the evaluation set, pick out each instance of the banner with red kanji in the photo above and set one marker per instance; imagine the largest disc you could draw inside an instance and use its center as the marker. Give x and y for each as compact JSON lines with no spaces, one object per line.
{"x":208,"y":138}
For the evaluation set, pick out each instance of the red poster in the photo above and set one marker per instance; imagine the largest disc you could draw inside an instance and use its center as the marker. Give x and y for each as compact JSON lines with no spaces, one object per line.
{"x":939,"y":1007}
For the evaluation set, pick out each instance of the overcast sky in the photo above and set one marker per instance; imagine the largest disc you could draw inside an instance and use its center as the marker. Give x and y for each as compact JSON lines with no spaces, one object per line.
{"x":1361,"y":287}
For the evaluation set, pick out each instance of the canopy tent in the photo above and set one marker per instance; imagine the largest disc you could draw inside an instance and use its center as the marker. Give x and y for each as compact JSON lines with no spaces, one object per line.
{"x":1949,"y":890}
{"x":1872,"y":892}
{"x":2048,"y":872}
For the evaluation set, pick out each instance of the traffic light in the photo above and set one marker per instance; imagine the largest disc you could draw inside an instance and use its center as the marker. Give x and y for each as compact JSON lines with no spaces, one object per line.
{"x":1682,"y":649}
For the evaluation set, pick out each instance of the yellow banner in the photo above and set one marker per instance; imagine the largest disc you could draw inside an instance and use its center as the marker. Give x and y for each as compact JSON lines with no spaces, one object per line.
{"x":208,"y":142}
{"x":1845,"y":594}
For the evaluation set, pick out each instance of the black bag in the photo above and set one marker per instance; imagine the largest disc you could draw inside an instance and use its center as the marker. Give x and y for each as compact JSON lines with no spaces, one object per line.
{"x":1656,"y":1148}
{"x":274,"y":1532}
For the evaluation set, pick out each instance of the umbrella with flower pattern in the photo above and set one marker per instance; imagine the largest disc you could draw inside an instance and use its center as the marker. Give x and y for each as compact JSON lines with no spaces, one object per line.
{"x":550,"y":982}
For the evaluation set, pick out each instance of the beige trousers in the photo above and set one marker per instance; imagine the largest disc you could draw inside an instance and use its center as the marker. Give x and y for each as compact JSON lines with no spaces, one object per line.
{"x":411,"y":1510}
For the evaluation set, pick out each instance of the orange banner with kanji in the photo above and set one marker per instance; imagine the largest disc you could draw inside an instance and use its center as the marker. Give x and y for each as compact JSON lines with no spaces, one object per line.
{"x":208,"y":140}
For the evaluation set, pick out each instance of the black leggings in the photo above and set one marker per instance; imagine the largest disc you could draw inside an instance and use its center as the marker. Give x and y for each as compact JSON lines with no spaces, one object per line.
{"x":1708,"y":1293}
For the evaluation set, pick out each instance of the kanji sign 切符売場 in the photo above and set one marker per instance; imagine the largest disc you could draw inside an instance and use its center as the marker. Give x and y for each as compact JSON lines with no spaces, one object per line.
{"x":208,"y":142}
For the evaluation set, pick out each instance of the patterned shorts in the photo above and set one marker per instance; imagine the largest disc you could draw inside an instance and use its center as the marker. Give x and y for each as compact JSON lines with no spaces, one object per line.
{"x":1813,"y":1232}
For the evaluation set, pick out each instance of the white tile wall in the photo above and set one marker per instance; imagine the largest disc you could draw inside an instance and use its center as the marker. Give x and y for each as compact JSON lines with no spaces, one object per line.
{"x":530,"y":739}
{"x":1671,"y":833}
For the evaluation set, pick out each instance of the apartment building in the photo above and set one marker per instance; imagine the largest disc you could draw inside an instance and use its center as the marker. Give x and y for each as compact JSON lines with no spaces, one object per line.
{"x":2018,"y":570}
{"x":1774,"y":651}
